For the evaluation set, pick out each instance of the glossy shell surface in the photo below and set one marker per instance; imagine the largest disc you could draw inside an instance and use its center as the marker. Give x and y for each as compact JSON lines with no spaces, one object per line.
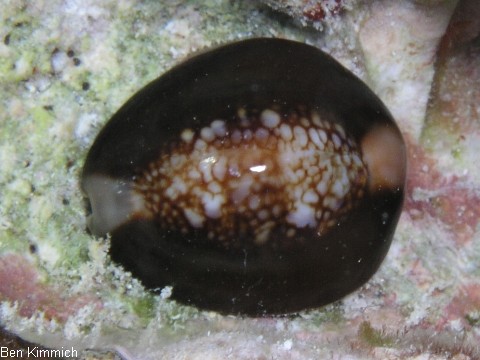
{"x":260,"y":177}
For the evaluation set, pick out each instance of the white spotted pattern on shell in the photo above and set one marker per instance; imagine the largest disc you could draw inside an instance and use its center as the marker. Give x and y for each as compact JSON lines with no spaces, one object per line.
{"x":259,"y":177}
{"x":245,"y":180}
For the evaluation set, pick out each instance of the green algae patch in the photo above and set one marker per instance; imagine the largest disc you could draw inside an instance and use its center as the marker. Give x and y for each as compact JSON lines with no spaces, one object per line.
{"x":374,"y":337}
{"x":333,"y":313}
{"x":144,"y":307}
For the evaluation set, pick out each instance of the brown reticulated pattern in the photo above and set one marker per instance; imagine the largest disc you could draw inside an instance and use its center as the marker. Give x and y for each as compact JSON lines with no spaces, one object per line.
{"x":244,"y":179}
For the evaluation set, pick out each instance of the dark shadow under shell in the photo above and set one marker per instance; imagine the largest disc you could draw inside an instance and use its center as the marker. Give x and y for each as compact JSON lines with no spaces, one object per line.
{"x":293,"y":265}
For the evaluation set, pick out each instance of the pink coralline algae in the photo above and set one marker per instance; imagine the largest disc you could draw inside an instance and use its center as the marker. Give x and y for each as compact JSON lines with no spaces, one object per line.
{"x":319,"y":10}
{"x":450,"y":199}
{"x":21,"y":285}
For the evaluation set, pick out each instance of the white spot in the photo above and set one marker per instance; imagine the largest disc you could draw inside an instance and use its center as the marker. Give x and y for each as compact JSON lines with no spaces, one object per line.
{"x":270,"y":118}
{"x":300,"y":135}
{"x":340,"y":130}
{"x":316,"y":119}
{"x":209,"y":160}
{"x":205,"y":167}
{"x":313,"y":133}
{"x":263,"y":234}
{"x":302,"y":216}
{"x":194,"y":174}
{"x":336,"y":141}
{"x":346,"y":159}
{"x":194,"y":218}
{"x":214,"y":187}
{"x":300,"y":174}
{"x":166,"y":292}
{"x":286,"y":132}
{"x":242,"y":113}
{"x":59,"y":61}
{"x":261,"y":134}
{"x":310,"y":197}
{"x":323,"y":136}
{"x":339,"y":189}
{"x":242,"y":190}
{"x":356,"y":160}
{"x":200,"y":145}
{"x":207,"y":134}
{"x":212,"y":205}
{"x":220,"y":168}
{"x":179,"y":27}
{"x":322,"y":187}
{"x":85,"y":124}
{"x":187,"y":135}
{"x":344,"y":176}
{"x":197,"y":191}
{"x":297,"y":193}
{"x":331,"y":202}
{"x":218,"y":127}
{"x":287,"y":345}
{"x":176,"y":160}
{"x":247,"y":134}
{"x":312,"y":170}
{"x":304,"y":122}
{"x":254,"y":202}
{"x":234,"y":171}
{"x":258,"y":168}
{"x":177,"y":188}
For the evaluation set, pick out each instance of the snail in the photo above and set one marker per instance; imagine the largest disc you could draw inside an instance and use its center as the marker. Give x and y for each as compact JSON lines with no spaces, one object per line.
{"x":260,"y":177}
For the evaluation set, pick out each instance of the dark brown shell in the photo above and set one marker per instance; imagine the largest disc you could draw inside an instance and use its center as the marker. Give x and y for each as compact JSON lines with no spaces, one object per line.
{"x":260,"y":177}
